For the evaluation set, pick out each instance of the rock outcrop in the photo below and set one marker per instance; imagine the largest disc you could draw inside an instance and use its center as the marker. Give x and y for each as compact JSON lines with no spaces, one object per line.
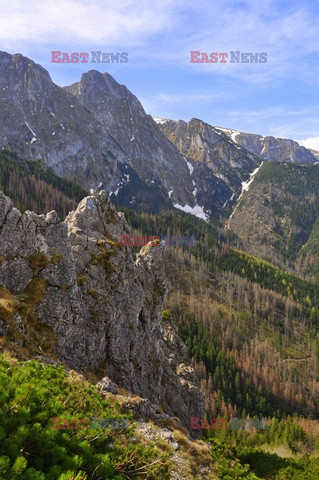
{"x":70,"y":291}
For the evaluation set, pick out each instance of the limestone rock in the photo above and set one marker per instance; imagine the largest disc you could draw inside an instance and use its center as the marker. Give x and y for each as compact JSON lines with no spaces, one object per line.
{"x":15,"y":274}
{"x":106,"y":385}
{"x":98,"y":309}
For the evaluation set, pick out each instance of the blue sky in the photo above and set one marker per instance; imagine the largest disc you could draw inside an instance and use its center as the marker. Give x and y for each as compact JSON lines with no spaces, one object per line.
{"x":277,"y":98}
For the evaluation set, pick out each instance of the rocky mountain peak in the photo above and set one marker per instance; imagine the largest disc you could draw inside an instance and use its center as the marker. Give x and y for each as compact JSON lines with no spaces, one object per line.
{"x":19,"y":69}
{"x":39,"y":120}
{"x":103,"y":83}
{"x":146,"y":148}
{"x":219,"y":166}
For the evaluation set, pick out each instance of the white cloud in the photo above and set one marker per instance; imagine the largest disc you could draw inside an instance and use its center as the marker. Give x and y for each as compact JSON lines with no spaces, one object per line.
{"x":312,"y":142}
{"x":92,"y":21}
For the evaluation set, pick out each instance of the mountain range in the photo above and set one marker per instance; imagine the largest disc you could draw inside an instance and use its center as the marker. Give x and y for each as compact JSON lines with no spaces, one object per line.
{"x":97,"y":133}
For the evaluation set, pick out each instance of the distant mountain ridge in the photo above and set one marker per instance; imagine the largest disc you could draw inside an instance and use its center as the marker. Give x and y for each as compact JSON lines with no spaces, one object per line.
{"x":272,"y":149}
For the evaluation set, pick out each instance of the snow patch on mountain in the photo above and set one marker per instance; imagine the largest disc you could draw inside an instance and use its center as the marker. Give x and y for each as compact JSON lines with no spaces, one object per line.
{"x":232,"y":133}
{"x":30,"y":129}
{"x":198,"y":211}
{"x":229,"y":200}
{"x":245,"y":185}
{"x":190,"y":166}
{"x":244,"y":188}
{"x":160,"y":120}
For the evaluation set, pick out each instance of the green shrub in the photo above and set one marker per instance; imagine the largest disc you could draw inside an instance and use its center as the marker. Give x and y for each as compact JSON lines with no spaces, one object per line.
{"x":31,"y":394}
{"x":166,"y":315}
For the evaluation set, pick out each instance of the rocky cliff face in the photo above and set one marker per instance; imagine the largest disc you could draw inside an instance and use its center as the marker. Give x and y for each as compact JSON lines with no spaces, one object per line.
{"x":146,"y":148}
{"x":38,"y":119}
{"x":70,"y":291}
{"x":206,"y":144}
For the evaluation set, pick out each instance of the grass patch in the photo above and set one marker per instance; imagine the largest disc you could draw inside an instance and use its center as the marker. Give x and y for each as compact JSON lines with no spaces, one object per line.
{"x":94,"y":294}
{"x":31,"y":296}
{"x":56,"y":258}
{"x":38,"y":261}
{"x":81,"y":279}
{"x":95,"y":314}
{"x":103,"y":258}
{"x":110,"y":216}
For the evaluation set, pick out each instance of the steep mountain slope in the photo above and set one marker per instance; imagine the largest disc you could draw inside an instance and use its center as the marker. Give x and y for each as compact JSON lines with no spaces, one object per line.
{"x":212,"y":152}
{"x":40,"y":120}
{"x":145,"y":147}
{"x":308,"y":260}
{"x":314,"y":152}
{"x":276,"y":216}
{"x":271,"y":148}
